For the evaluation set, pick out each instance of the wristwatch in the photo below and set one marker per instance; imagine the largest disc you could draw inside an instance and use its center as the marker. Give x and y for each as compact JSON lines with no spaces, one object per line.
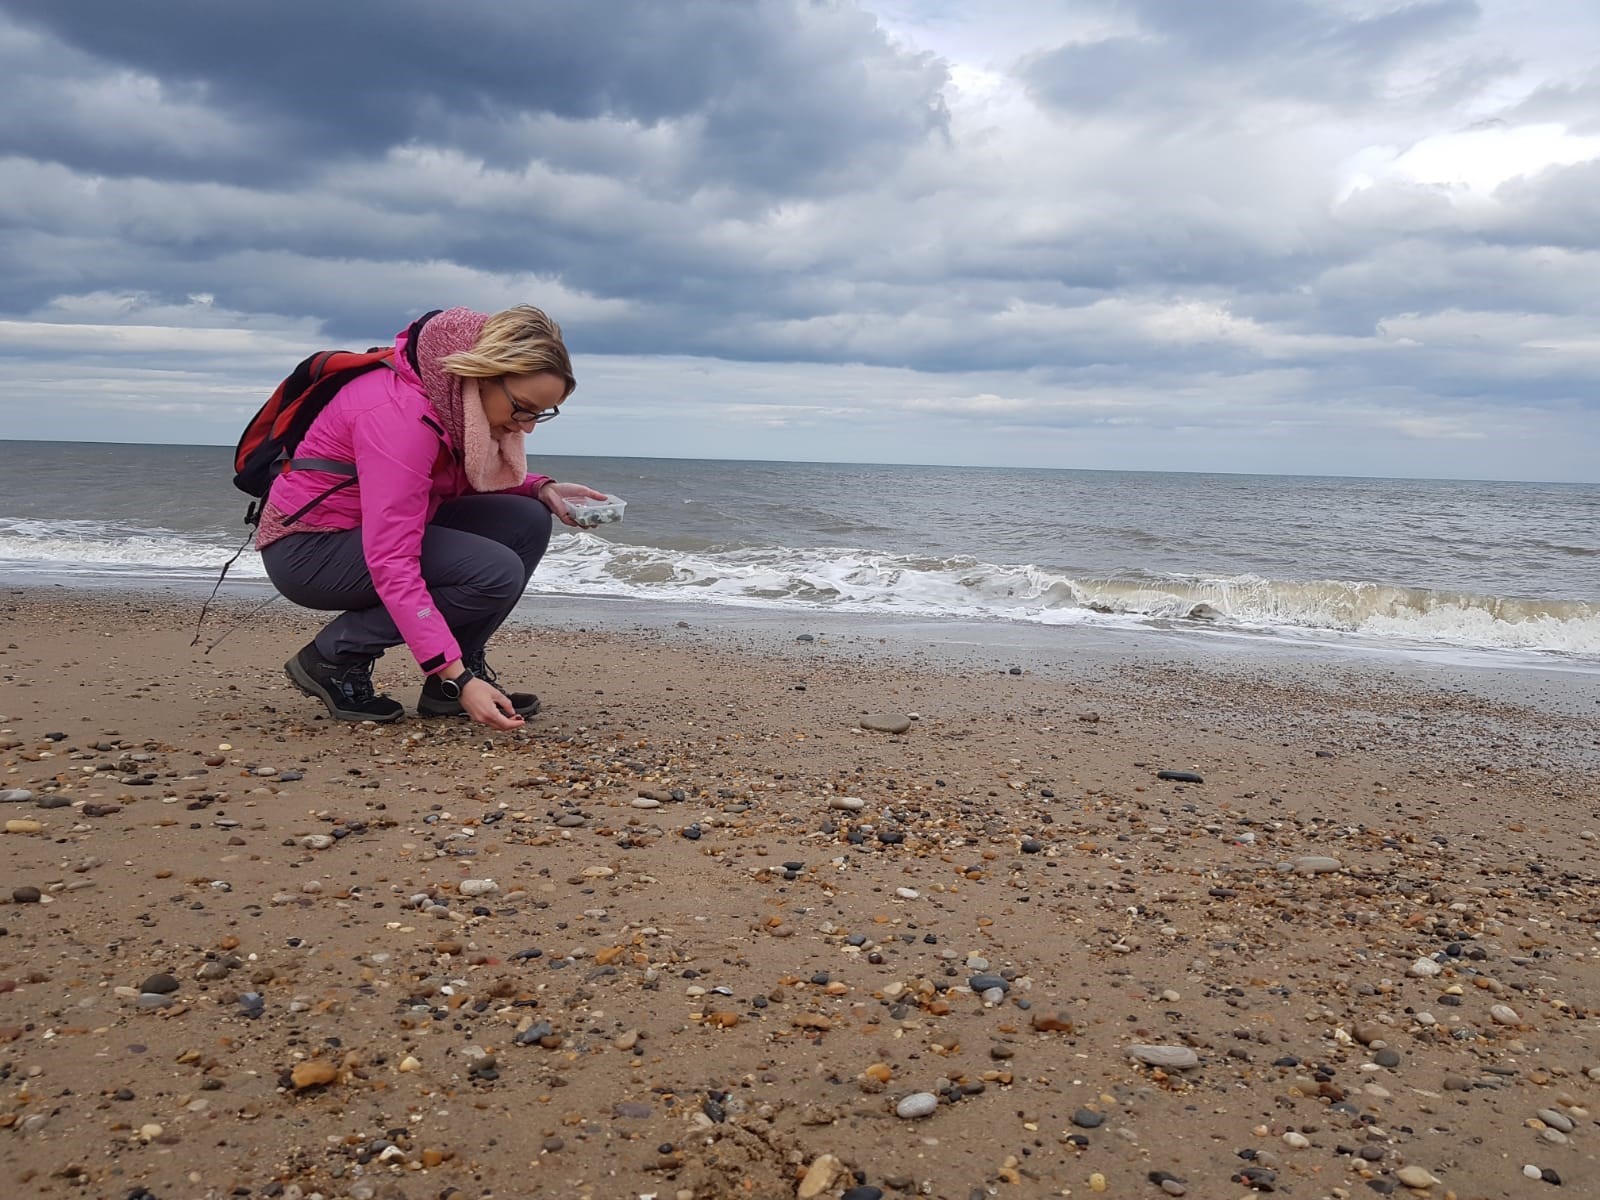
{"x":452,"y":688}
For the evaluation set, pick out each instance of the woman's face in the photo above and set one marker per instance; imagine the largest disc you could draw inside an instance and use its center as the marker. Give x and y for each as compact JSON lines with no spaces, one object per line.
{"x":512,"y":403}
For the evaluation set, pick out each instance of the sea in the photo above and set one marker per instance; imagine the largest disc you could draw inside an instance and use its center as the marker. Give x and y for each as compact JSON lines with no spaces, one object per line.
{"x":1506,"y":571}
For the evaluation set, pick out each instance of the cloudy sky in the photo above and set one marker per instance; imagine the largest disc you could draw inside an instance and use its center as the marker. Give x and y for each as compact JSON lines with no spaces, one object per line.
{"x":1306,"y":236}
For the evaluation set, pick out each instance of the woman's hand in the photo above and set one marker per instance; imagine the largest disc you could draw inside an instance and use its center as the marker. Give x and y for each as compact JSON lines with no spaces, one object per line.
{"x":554,"y":495}
{"x":488,"y":705}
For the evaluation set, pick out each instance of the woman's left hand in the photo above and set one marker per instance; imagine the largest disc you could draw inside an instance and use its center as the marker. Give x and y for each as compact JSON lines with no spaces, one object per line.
{"x":554,"y":495}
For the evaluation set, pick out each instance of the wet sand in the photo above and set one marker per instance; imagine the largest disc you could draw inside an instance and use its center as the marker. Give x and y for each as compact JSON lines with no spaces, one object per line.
{"x":695,"y":932}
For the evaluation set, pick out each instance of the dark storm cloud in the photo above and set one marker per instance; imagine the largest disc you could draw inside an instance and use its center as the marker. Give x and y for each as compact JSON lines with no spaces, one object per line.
{"x":1187,"y":55}
{"x":778,"y":95}
{"x":1228,"y":225}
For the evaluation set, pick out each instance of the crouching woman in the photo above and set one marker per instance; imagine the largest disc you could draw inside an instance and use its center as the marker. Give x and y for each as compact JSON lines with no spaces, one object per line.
{"x":436,"y":535}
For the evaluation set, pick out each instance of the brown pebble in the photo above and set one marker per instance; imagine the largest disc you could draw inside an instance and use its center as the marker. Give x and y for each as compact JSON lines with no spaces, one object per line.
{"x":314,"y":1073}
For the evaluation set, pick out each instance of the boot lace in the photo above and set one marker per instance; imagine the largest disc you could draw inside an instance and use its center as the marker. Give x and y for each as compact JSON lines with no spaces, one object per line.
{"x":477,"y":663}
{"x":355,"y":683}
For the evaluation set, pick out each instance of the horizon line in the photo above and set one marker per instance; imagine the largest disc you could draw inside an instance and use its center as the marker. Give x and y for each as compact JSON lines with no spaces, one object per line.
{"x":844,"y":462}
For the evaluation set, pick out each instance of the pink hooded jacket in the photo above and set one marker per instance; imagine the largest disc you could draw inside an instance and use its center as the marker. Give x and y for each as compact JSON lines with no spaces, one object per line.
{"x":406,"y":466}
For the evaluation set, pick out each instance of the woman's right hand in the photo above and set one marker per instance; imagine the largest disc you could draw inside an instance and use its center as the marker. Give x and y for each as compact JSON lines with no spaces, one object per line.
{"x":488,"y":705}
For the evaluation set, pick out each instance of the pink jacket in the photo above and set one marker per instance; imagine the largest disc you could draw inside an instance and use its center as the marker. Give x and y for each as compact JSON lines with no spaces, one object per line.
{"x":406,"y":466}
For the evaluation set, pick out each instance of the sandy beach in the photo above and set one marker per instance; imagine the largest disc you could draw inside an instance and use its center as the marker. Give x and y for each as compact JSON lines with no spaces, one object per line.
{"x":697,"y":932}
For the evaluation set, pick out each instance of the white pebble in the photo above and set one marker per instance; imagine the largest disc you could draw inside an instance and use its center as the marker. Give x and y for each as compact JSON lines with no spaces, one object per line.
{"x":906,"y":893}
{"x":477,"y":887}
{"x":1425,"y":968}
{"x":1503,"y":1014}
{"x":1298,"y":1141}
{"x":918,"y":1104}
{"x":847,"y":803}
{"x":1176,"y":1058}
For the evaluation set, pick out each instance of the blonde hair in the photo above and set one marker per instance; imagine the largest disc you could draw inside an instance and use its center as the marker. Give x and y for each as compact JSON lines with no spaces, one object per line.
{"x":517,"y":341}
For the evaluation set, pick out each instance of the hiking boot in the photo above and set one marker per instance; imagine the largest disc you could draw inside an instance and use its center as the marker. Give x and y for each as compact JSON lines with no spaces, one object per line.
{"x":434,"y":703}
{"x":346,"y":688}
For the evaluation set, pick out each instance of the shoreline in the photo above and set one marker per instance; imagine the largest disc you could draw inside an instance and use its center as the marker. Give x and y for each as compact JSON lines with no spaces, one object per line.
{"x":727,"y":930}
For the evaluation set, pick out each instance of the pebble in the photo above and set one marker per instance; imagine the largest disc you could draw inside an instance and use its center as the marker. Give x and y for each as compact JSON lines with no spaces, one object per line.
{"x":1296,"y":1141}
{"x":1087,"y":1118}
{"x":26,"y":895}
{"x":1179,"y":776}
{"x":1503,"y":1014}
{"x":847,"y":803}
{"x":160,"y":985}
{"x":477,"y":887}
{"x":15,"y":796}
{"x":314,"y":1073}
{"x":1172,"y":1058}
{"x":1425,"y":968}
{"x":1387,"y":1057}
{"x":1316,"y":864}
{"x":24,"y":825}
{"x":646,"y":802}
{"x":1415,"y":1177}
{"x":1556,"y":1120}
{"x":317,"y":841}
{"x":863,"y":1191}
{"x":886,"y":722}
{"x":918,"y":1104}
{"x":819,"y":1177}
{"x":983,"y":983}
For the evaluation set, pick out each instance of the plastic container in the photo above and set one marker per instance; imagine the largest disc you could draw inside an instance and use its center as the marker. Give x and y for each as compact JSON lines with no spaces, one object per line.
{"x":589,"y":513}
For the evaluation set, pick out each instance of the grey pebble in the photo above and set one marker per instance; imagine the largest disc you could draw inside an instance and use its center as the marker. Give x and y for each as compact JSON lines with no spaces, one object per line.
{"x":1087,"y":1118}
{"x":1556,"y":1120}
{"x":1316,"y":864}
{"x":1176,"y":1058}
{"x":886,"y":722}
{"x":918,"y":1104}
{"x":15,"y":796}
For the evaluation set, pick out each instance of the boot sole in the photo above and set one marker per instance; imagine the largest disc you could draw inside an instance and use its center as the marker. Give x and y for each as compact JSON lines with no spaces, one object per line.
{"x":297,"y":676}
{"x":427,"y":706}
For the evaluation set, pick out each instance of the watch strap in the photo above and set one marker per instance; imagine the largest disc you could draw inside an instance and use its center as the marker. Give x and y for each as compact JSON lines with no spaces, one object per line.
{"x":454,"y":687}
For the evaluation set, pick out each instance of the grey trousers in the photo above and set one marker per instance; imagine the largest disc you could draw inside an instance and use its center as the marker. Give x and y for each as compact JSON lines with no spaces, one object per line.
{"x":478,"y":553}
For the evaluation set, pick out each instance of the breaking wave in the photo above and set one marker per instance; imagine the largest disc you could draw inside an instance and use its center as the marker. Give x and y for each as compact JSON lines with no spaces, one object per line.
{"x":860,"y":581}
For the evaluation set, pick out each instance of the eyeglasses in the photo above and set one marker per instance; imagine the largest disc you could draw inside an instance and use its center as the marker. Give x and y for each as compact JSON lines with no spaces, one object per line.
{"x":526,"y":416}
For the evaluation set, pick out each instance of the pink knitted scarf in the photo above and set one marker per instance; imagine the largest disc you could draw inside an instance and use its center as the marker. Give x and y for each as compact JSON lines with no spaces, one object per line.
{"x":494,"y":461}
